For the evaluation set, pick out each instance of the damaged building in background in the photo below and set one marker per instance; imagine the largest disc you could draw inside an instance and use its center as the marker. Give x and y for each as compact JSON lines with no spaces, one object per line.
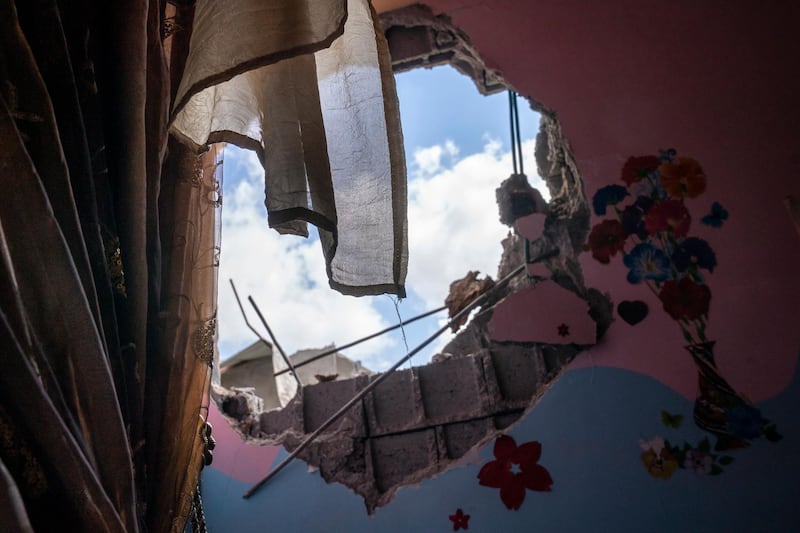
{"x":253,"y":368}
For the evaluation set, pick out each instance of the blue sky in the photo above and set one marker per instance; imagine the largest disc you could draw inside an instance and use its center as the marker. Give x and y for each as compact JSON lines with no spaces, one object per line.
{"x":457,"y":153}
{"x":440,"y":103}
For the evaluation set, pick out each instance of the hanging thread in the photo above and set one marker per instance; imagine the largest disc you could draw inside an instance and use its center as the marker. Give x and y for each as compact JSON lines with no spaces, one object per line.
{"x":396,"y":302}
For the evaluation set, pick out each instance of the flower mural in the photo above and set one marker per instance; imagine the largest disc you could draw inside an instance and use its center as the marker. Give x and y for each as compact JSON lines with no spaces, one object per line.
{"x":694,"y":253}
{"x":651,"y":234}
{"x":606,"y":240}
{"x":698,"y":461}
{"x":669,"y":218}
{"x":662,"y":459}
{"x":459,"y":520}
{"x":515,"y":469}
{"x":658,"y":458}
{"x":638,"y":168}
{"x":682,"y":176}
{"x":685,"y":299}
{"x":647,"y":262}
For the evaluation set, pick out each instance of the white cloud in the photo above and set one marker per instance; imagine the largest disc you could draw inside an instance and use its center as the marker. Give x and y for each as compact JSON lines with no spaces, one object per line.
{"x":454,"y":223}
{"x":428,"y":161}
{"x":450,"y":148}
{"x":453,"y":228}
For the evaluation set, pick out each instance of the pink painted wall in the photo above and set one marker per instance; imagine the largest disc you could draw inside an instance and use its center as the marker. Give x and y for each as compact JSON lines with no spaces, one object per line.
{"x":242,"y":461}
{"x":719,"y":83}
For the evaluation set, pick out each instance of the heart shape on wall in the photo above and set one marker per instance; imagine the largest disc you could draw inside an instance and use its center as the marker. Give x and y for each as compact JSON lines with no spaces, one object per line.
{"x":632,"y":312}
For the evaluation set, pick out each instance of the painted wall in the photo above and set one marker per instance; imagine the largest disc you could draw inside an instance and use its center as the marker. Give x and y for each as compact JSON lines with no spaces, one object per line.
{"x":717,"y":82}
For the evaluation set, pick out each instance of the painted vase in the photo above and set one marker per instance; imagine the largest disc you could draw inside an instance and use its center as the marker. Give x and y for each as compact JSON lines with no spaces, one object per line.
{"x":718,"y":408}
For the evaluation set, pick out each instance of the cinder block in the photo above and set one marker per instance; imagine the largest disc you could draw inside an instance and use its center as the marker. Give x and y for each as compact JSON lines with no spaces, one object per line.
{"x":322,"y":400}
{"x":401,"y":459}
{"x":519,"y":370}
{"x":452,"y":390}
{"x":493,"y":401}
{"x":462,"y":436}
{"x":395,"y":405}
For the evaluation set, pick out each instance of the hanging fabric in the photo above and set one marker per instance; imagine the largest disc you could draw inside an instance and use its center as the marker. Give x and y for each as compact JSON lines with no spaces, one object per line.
{"x":108,"y":228}
{"x":325,"y":125}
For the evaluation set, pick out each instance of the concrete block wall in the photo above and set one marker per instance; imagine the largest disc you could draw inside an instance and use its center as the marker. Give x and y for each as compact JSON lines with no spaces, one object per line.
{"x":413,"y":425}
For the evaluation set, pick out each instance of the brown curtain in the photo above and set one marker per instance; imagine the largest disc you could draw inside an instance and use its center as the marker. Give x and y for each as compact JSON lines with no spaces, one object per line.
{"x":108,"y":254}
{"x":109,"y":239}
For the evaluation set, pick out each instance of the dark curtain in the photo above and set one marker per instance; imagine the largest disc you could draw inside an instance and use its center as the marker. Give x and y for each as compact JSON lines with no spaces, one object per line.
{"x":107,"y":272}
{"x":109,"y":226}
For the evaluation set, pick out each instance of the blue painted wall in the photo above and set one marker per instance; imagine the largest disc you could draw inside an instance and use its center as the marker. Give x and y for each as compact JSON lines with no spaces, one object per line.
{"x":590,"y":424}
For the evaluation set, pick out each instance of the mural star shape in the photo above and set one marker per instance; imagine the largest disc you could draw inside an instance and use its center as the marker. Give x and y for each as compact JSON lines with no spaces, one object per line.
{"x":563,"y":330}
{"x":460,"y":520}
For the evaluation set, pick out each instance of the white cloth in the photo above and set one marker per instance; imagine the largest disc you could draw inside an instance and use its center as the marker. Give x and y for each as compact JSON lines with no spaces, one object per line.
{"x":314,"y":96}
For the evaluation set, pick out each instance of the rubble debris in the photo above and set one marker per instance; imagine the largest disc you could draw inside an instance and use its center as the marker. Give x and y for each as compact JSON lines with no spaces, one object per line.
{"x":419,"y":38}
{"x":463,"y":292}
{"x":516,"y":199}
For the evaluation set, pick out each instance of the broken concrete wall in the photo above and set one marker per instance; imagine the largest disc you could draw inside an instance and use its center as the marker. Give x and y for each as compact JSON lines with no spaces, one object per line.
{"x":610,"y":427}
{"x":413,"y":427}
{"x":421,"y":422}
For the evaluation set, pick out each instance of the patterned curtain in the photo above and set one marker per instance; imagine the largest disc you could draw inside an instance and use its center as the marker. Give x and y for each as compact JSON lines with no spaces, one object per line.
{"x":109,"y":242}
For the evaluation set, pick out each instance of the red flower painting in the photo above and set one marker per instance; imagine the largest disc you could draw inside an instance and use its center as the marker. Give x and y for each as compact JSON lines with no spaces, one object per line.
{"x":668,"y":215}
{"x":682,"y":176}
{"x":515,"y":469}
{"x":606,"y":239}
{"x":685,"y":299}
{"x":637,"y":168}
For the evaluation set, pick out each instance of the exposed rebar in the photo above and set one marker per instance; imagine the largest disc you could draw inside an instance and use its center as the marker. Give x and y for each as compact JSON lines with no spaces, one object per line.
{"x":363,"y":392}
{"x":363,"y":339}
{"x":255,"y":331}
{"x":275,"y":341}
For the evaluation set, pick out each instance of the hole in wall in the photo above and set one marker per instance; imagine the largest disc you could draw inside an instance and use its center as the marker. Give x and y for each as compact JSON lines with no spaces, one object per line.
{"x":425,"y":419}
